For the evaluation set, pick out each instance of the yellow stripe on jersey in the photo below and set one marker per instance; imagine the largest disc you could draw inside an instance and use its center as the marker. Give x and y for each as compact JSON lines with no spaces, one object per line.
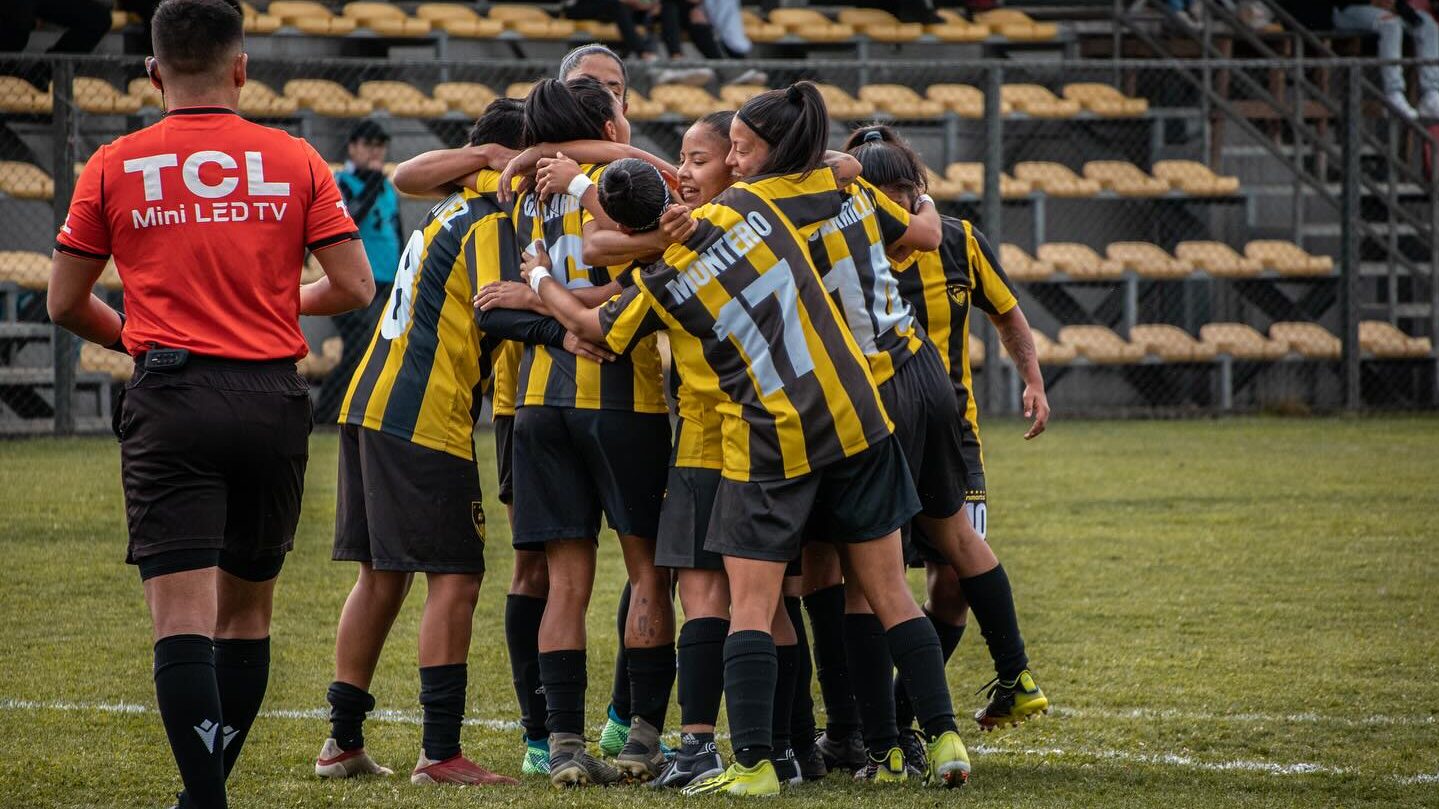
{"x":507,"y":366}
{"x":699,"y":435}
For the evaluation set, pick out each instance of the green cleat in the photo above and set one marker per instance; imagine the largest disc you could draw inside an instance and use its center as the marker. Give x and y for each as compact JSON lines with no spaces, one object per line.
{"x":948,"y":761}
{"x":1011,"y":703}
{"x":757,"y":781}
{"x":887,"y":769}
{"x":537,"y":757}
{"x":615,"y":734}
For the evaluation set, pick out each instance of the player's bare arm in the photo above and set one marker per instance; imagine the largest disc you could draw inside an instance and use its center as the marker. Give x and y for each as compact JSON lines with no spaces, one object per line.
{"x":583,"y":321}
{"x":1018,"y":340}
{"x":73,"y":306}
{"x":439,"y":172}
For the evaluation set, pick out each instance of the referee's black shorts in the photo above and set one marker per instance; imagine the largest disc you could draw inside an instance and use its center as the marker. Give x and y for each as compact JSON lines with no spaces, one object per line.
{"x":212,"y":458}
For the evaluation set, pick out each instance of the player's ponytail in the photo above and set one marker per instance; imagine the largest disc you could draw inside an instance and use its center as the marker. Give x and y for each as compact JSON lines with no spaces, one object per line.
{"x":886,"y":160}
{"x":556,"y":111}
{"x":633,"y":193}
{"x":794,"y":122}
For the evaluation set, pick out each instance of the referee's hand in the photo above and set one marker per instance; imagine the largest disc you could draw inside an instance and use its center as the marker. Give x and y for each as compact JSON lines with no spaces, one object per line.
{"x":1036,"y":406}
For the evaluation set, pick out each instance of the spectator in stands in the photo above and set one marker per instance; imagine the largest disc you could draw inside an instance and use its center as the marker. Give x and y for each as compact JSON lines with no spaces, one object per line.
{"x":1389,"y":19}
{"x":693,"y":16}
{"x":84,"y":21}
{"x":627,"y":14}
{"x":375,"y":206}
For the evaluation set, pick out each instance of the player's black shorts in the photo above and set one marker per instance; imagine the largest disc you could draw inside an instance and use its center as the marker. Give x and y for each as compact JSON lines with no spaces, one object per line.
{"x":212,"y":457}
{"x":407,"y":508}
{"x":858,"y":499}
{"x":572,"y":465}
{"x":505,"y":457}
{"x":920,"y":401}
{"x":685,"y":519}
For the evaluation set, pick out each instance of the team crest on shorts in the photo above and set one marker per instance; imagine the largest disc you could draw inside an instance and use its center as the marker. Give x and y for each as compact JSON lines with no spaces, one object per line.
{"x":959,"y":293}
{"x":477,"y":516}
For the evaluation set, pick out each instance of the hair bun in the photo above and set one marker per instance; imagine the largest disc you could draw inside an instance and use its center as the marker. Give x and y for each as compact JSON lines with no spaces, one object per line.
{"x":793,"y":95}
{"x":873,"y":136}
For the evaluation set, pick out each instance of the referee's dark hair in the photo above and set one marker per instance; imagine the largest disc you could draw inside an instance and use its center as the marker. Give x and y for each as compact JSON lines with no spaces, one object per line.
{"x":886,"y":159}
{"x":502,"y":123}
{"x":794,"y":122}
{"x":196,"y":36}
{"x":577,"y":109}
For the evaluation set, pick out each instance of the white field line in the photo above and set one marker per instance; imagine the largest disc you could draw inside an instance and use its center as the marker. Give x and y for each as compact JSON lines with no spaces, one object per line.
{"x":1101,"y":754}
{"x":1375,"y":720}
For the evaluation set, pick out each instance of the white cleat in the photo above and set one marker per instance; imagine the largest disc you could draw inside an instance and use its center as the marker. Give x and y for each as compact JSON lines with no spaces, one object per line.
{"x":336,"y":763}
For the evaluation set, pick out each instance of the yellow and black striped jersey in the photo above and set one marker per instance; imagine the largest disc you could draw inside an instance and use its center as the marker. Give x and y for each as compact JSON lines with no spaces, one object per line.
{"x":699,"y":431}
{"x":942,"y":285}
{"x":849,"y":252}
{"x":752,"y":330}
{"x":423,"y":376}
{"x":507,"y":368}
{"x":553,"y":376}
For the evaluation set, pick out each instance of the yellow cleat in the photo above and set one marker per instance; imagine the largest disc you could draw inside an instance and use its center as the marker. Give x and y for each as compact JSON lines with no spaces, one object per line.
{"x":887,"y":769}
{"x":1011,"y":703}
{"x":750,"y":782}
{"x":948,"y":761}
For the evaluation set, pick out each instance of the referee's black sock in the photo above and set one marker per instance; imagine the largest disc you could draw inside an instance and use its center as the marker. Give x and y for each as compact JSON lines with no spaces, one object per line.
{"x":949,"y":635}
{"x":652,"y":678}
{"x":872,"y":672}
{"x":242,"y":672}
{"x":442,"y":696}
{"x":522,"y":636}
{"x":801,"y":725}
{"x":992,"y":602}
{"x":781,"y":713}
{"x":189,"y":702}
{"x":750,"y":670}
{"x":348,"y":706}
{"x":915,"y":649}
{"x":620,"y":699}
{"x":564,"y":679}
{"x":701,"y":670}
{"x":826,"y":618}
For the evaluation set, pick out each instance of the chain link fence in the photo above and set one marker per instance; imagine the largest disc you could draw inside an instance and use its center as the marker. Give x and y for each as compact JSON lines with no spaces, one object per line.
{"x":1179,"y":241}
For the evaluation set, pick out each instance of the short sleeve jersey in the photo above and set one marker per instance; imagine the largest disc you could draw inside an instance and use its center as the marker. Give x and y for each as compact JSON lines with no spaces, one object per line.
{"x":553,"y":376}
{"x":849,"y":252}
{"x":208,"y":217}
{"x":752,"y":329}
{"x":424,"y":374}
{"x":942,"y":285}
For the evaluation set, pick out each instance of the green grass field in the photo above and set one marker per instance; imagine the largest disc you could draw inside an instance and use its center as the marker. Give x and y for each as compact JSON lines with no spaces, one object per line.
{"x":1237,"y":612}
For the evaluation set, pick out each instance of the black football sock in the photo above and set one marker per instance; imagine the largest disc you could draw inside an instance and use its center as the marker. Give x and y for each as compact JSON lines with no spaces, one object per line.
{"x":751,"y":667}
{"x":620,"y":691}
{"x":442,"y":696}
{"x":949,"y":635}
{"x":348,"y":706}
{"x":701,"y":670}
{"x":785,"y":672}
{"x":872,"y":672}
{"x":242,"y":671}
{"x":801,"y":726}
{"x":652,"y":678}
{"x":189,"y":702}
{"x":522,"y":635}
{"x":992,"y":602}
{"x":915,"y":649}
{"x":696,"y":744}
{"x":563,"y":676}
{"x":826,"y":618}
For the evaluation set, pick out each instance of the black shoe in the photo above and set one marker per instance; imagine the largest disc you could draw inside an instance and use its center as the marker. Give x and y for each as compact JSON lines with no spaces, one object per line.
{"x":841,"y":754}
{"x":915,"y":758}
{"x":692,"y":763}
{"x":811,"y":764}
{"x":786,"y":768}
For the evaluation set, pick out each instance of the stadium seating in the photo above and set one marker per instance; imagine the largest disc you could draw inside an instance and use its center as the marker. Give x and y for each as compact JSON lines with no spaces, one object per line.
{"x":20,"y":96}
{"x":25,"y":269}
{"x":1217,"y":259}
{"x":99,"y":360}
{"x":326,"y":97}
{"x":810,"y":25}
{"x":1100,"y":345}
{"x":1309,"y":340}
{"x":942,"y":187}
{"x":1241,"y":341}
{"x":1171,"y":343}
{"x":1016,"y":25}
{"x":1051,"y":353}
{"x":879,"y":25}
{"x":842,"y":105}
{"x":955,"y":28}
{"x":386,"y":19}
{"x":1055,"y":179}
{"x":259,"y":23}
{"x":643,"y":109}
{"x":143,"y":90}
{"x":976,"y":353}
{"x":971,"y":176}
{"x":311,"y":17}
{"x":900,"y":101}
{"x":101,"y":98}
{"x":318,"y":364}
{"x":1078,"y":261}
{"x":692,"y":102}
{"x":258,"y":100}
{"x":109,"y":277}
{"x":402,"y":99}
{"x":1037,"y":101}
{"x":1020,"y":266}
{"x":1287,"y":258}
{"x":964,"y":100}
{"x":1105,"y":101}
{"x":532,"y":21}
{"x":467,"y":97}
{"x":1146,"y":260}
{"x":1385,"y":341}
{"x":737,"y":94}
{"x":1195,"y":178}
{"x":25,"y":181}
{"x":459,"y":20}
{"x":1124,"y":178}
{"x":759,"y":29}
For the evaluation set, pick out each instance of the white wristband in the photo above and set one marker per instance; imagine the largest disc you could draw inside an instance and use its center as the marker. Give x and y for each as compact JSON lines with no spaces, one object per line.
{"x":923,"y":198}
{"x":579,"y":185}
{"x":537,"y":275}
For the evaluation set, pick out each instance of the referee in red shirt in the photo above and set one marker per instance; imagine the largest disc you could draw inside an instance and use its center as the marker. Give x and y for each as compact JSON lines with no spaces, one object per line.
{"x":208,"y":218}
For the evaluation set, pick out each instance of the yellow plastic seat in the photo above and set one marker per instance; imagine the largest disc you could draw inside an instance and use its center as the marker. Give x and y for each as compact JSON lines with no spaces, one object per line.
{"x":1287,"y":258}
{"x":311,"y":17}
{"x":955,"y":28}
{"x":691,"y":102}
{"x":976,"y":352}
{"x":1307,"y":339}
{"x":1216,"y":258}
{"x":737,"y":94}
{"x":1038,"y":101}
{"x":880,"y":25}
{"x":1385,"y":341}
{"x":532,"y":22}
{"x":327,"y":98}
{"x":25,"y":181}
{"x":971,"y":175}
{"x":143,"y":90}
{"x":1146,"y":260}
{"x":467,"y":97}
{"x":23,"y":268}
{"x":259,"y":101}
{"x":900,"y":101}
{"x":963,"y":100}
{"x":1021,"y":266}
{"x":1017,"y":25}
{"x":1050,"y":352}
{"x":1055,"y":179}
{"x":1078,"y":261}
{"x":760,"y":30}
{"x":20,"y":96}
{"x":643,"y":109}
{"x":1101,"y":99}
{"x":519,"y":89}
{"x":942,"y":188}
{"x":257,"y":22}
{"x":110,"y":277}
{"x":1241,"y":341}
{"x":96,"y":359}
{"x":1195,"y":178}
{"x":402,"y":99}
{"x":1125,"y":179}
{"x":810,"y":25}
{"x":1099,"y":344}
{"x":842,"y":105}
{"x":101,"y":97}
{"x":459,"y":20}
{"x":386,"y":19}
{"x":1171,"y":343}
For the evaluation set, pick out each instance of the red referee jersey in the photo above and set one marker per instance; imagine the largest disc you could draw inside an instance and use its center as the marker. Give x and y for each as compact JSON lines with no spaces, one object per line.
{"x":208,"y":217}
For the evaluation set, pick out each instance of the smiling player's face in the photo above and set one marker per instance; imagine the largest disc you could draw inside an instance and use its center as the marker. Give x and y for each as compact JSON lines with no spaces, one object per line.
{"x":748,"y":151}
{"x":703,"y":172}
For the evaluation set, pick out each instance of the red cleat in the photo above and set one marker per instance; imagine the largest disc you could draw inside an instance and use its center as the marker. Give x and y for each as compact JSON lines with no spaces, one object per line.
{"x":456,"y":770}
